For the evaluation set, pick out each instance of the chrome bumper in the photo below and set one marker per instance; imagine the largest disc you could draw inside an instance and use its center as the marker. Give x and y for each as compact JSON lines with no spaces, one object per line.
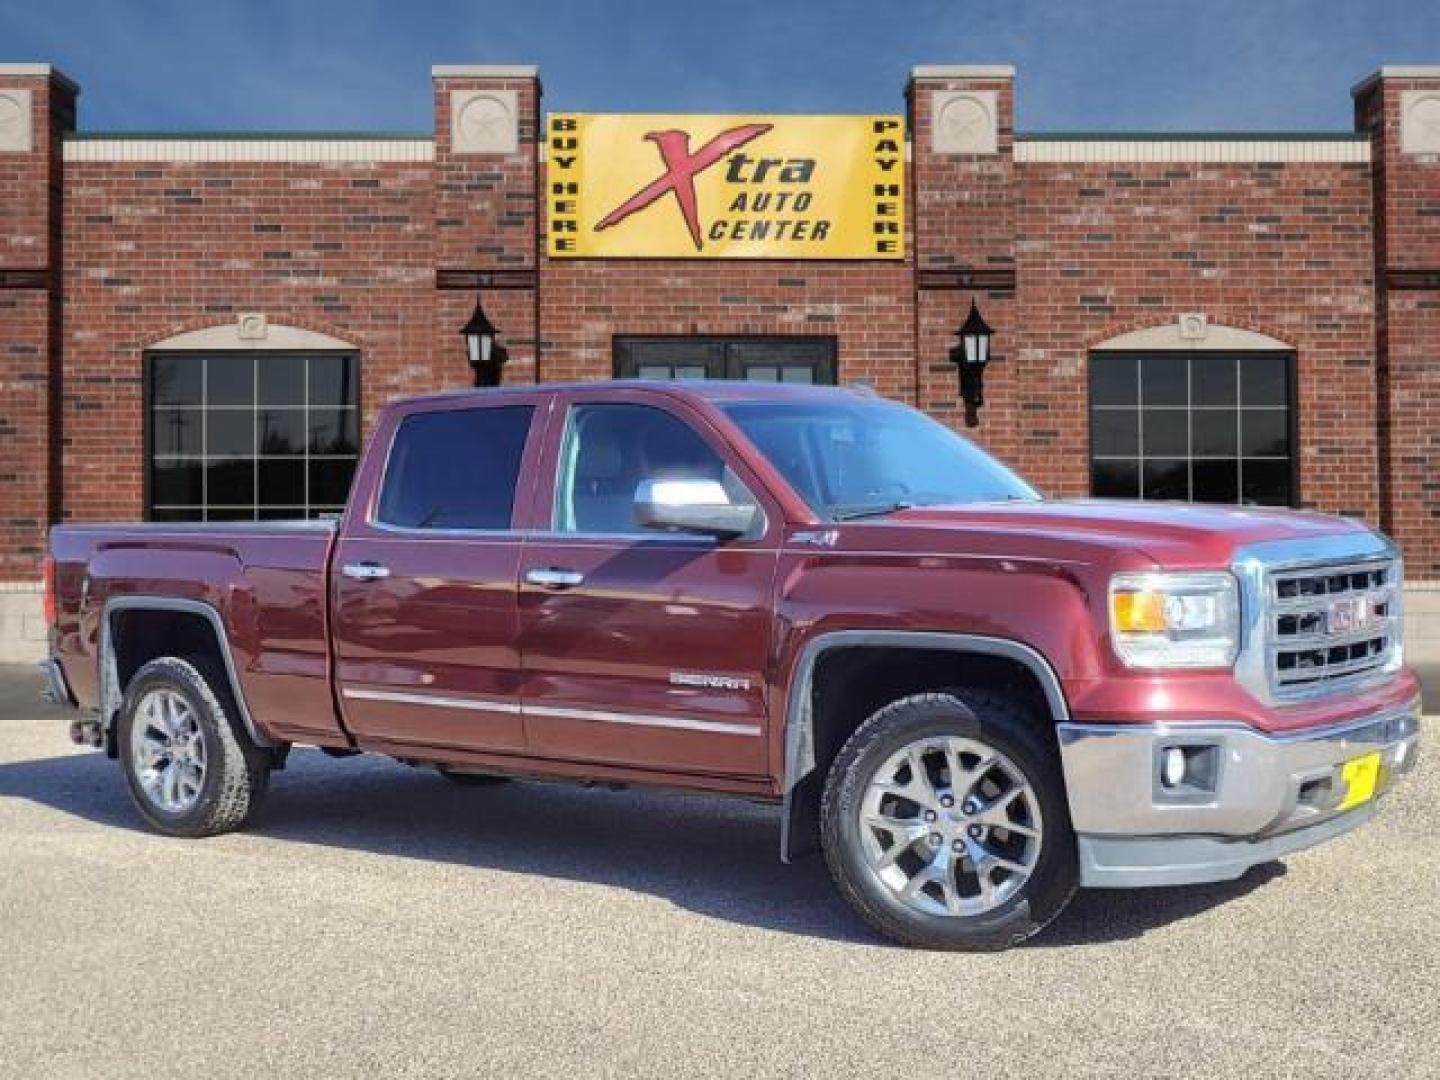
{"x":57,"y":689}
{"x":1269,"y":795}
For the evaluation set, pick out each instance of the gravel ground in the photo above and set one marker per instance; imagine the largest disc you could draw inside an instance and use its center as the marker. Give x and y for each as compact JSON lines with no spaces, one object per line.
{"x":378,"y":921}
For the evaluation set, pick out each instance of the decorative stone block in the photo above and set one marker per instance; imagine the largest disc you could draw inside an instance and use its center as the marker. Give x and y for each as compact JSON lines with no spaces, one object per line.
{"x":965,"y":122}
{"x":1420,"y":122}
{"x":484,"y":122}
{"x":252,"y":326}
{"x":16,"y":128}
{"x":1194,"y":326}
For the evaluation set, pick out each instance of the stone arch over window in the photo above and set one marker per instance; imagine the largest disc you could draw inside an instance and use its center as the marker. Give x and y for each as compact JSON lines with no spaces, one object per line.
{"x":252,"y":336}
{"x":1193,"y":412}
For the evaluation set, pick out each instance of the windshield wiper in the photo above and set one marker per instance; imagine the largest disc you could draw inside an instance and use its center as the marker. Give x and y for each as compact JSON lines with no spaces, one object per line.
{"x":878,"y":510}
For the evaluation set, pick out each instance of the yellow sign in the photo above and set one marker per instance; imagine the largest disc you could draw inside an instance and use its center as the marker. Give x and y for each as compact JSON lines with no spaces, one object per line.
{"x":728,"y":187}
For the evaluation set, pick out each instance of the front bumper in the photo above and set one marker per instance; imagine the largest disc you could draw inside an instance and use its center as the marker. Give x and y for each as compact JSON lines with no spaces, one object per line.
{"x":1265,"y":795}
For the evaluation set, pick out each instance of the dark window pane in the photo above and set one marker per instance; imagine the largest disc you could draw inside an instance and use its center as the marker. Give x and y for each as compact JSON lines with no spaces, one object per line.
{"x":281,"y":380}
{"x":280,"y":513}
{"x":1265,"y":482}
{"x":282,"y":483}
{"x":176,"y":431}
{"x":330,"y":481}
{"x":1115,"y":432}
{"x":805,"y":375}
{"x":1115,"y":479}
{"x":176,"y":482}
{"x":1213,"y":433}
{"x":230,"y":380}
{"x":229,"y":513}
{"x":1113,"y":380}
{"x":1166,"y":433}
{"x":455,"y":469}
{"x":1264,"y":380}
{"x":1217,"y":481}
{"x":230,"y":432}
{"x":1163,"y":381}
{"x":280,"y":431}
{"x":1265,"y":432}
{"x":231,"y":482}
{"x":1212,"y":381}
{"x":1167,"y":479}
{"x":334,"y":431}
{"x":332,"y":381}
{"x":177,"y":513}
{"x":326,"y":513}
{"x":175,"y":380}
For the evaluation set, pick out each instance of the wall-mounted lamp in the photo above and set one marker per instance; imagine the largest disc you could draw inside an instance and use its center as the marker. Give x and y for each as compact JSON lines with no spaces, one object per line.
{"x":971,"y":355}
{"x":486,"y":355}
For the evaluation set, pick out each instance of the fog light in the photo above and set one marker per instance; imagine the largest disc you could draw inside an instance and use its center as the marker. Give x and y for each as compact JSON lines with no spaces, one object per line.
{"x":1174,"y":767}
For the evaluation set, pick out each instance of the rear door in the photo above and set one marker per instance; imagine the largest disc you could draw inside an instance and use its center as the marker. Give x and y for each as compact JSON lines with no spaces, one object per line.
{"x":640,"y":648}
{"x":425,"y":616}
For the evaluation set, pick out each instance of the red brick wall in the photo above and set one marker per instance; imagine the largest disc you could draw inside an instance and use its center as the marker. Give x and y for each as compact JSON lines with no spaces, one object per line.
{"x":1407,"y":204}
{"x":30,"y":195}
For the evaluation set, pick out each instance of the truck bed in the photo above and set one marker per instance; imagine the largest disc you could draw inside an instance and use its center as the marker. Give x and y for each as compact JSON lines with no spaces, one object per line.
{"x":266,"y":581}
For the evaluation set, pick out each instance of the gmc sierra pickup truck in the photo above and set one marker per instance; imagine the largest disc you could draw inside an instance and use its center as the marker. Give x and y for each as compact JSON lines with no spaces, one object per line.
{"x":973,"y":700}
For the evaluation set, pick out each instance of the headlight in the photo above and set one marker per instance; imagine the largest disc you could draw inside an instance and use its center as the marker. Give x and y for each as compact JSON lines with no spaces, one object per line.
{"x":1174,"y":620}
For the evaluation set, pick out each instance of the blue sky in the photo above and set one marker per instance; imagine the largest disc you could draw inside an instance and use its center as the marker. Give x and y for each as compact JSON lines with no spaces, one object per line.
{"x":364,"y":64}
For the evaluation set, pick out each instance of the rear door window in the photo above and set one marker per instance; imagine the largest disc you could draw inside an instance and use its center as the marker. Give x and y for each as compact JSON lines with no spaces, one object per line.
{"x":455,"y":469}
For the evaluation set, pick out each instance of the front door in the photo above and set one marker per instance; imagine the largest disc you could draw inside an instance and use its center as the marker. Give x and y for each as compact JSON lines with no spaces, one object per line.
{"x":641,"y":648}
{"x":424,"y":581}
{"x":757,"y":359}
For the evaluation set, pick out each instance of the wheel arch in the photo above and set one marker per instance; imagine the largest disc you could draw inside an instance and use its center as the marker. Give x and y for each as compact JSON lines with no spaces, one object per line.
{"x":803,"y":752}
{"x":118,"y":661}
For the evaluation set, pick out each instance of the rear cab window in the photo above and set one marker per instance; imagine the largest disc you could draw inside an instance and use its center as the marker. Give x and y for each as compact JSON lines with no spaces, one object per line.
{"x":455,"y":469}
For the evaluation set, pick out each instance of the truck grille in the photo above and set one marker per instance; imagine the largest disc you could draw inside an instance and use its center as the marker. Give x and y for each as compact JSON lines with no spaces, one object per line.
{"x":1331,"y":626}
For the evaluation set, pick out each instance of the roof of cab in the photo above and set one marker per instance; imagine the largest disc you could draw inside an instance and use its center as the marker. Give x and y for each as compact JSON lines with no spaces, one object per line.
{"x":705,"y":389}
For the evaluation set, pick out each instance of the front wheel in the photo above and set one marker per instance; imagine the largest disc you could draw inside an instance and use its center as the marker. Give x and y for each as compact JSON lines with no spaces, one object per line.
{"x":945,"y":825}
{"x":190,"y":770}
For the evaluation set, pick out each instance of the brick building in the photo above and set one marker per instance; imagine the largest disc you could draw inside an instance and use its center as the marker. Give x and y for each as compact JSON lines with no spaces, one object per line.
{"x":202,"y":325}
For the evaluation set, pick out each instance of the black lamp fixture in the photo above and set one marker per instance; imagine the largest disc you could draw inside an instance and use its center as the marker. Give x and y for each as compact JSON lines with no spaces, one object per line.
{"x":970,"y":356}
{"x":486,"y":355}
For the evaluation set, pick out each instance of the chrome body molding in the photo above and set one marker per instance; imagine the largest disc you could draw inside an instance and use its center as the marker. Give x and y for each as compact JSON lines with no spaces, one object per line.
{"x":112,"y":694}
{"x":799,"y":715}
{"x":57,"y":687}
{"x":1254,"y":565}
{"x":1268,"y":788}
{"x":442,"y":701}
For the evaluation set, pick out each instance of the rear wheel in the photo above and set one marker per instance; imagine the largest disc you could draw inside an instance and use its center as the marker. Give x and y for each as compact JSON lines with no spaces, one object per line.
{"x":945,"y":825}
{"x":189,"y":768}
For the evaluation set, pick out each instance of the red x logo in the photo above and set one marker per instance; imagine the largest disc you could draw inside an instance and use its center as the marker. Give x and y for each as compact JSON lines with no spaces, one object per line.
{"x":681,"y":168}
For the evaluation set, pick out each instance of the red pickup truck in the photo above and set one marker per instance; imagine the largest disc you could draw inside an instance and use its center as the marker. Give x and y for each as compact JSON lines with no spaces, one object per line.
{"x":972,"y":699}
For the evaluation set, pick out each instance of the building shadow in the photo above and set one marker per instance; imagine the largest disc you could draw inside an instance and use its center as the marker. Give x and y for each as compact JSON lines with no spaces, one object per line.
{"x":717,"y":857}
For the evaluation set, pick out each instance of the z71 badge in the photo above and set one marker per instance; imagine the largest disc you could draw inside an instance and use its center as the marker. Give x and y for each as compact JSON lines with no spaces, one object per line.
{"x":712,"y":682}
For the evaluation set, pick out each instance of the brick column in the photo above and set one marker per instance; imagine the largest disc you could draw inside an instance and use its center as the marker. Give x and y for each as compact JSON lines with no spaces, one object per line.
{"x":1400,"y":108}
{"x":486,"y":208}
{"x":37,"y":105}
{"x":963,"y":206}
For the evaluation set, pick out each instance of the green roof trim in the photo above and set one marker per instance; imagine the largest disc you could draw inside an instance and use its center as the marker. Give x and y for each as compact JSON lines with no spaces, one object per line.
{"x":250,"y":136}
{"x":1191,"y":136}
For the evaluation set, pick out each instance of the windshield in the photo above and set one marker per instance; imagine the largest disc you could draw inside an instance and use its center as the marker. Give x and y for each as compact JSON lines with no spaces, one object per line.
{"x":850,"y":457}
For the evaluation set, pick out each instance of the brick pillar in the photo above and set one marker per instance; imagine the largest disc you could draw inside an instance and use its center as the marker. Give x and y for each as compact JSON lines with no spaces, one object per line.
{"x":37,"y":105}
{"x":963,"y":206}
{"x":1400,"y":108}
{"x":486,"y":207}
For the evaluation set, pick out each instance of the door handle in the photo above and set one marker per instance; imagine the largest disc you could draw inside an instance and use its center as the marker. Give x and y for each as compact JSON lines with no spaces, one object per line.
{"x":365,"y":571}
{"x":554,"y":577}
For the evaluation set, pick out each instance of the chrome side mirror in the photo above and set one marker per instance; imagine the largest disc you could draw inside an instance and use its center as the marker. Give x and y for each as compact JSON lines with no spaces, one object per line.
{"x":694,"y":506}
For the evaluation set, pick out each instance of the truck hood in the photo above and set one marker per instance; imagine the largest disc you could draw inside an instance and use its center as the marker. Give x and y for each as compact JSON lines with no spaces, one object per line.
{"x":1178,"y":535}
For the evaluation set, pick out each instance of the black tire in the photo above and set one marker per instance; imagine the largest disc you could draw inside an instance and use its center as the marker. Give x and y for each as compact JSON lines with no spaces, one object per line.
{"x":237,"y":773}
{"x":1000,"y":723}
{"x":470,"y":779}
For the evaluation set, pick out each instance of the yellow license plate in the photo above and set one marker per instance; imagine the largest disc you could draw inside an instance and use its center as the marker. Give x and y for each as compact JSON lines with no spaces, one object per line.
{"x":1360,"y":777}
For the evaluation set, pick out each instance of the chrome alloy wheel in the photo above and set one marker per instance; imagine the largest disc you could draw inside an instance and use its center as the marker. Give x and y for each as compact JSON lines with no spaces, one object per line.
{"x":950,"y":826}
{"x":167,"y":750}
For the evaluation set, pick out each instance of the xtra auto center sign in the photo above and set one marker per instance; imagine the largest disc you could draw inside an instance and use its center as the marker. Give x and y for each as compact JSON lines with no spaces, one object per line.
{"x":732,"y":187}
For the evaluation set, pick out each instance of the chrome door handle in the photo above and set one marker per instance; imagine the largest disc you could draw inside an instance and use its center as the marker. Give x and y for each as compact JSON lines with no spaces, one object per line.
{"x":554,"y":577}
{"x":365,"y":571}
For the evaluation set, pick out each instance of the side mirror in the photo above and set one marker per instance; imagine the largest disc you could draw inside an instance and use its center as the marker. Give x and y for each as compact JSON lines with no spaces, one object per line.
{"x":694,"y":506}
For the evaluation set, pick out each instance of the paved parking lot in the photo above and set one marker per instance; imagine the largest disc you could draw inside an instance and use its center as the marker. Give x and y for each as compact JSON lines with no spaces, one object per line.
{"x":379,"y":921}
